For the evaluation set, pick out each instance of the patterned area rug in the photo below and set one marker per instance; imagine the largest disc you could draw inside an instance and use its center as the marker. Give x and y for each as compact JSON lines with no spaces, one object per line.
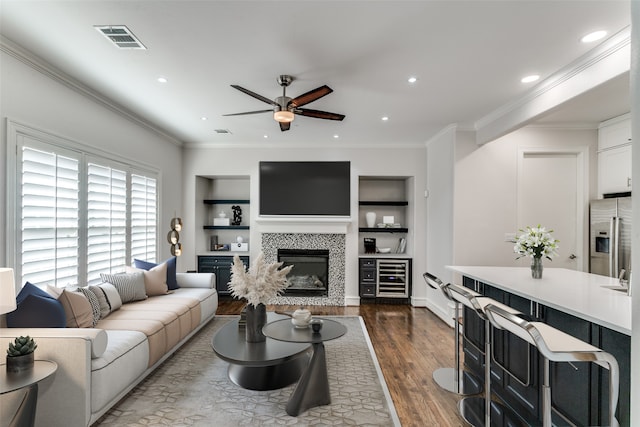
{"x":192,"y":389}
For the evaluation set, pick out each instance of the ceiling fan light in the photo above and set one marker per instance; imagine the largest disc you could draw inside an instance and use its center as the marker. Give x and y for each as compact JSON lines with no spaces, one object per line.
{"x":283,"y":116}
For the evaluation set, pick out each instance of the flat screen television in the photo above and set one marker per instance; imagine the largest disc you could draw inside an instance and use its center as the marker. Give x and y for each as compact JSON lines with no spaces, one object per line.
{"x":305,"y":188}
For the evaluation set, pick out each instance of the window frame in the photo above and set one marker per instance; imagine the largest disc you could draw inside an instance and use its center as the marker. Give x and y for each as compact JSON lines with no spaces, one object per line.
{"x":19,"y":135}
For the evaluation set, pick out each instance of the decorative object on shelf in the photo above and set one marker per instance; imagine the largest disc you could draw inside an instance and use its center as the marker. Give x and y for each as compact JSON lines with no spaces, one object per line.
{"x":213,"y":242}
{"x":369,"y":245}
{"x":384,"y":250}
{"x":371,"y":219}
{"x":221,"y":220}
{"x":20,"y":354}
{"x":402,"y":245}
{"x":237,"y":215}
{"x":259,"y":284}
{"x":173,"y":237}
{"x":7,"y":291}
{"x":301,"y":318}
{"x":388,"y":220}
{"x":536,"y":242}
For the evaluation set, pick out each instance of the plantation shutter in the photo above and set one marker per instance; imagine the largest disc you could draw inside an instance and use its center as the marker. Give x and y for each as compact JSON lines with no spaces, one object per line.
{"x":143,"y":217}
{"x":49,"y":217}
{"x":106,"y":221}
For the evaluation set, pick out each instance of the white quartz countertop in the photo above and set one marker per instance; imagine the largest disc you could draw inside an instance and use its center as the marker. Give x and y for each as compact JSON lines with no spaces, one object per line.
{"x":574,"y":292}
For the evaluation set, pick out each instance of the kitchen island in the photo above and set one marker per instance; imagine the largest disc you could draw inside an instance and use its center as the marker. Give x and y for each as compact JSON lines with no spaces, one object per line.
{"x":584,"y":305}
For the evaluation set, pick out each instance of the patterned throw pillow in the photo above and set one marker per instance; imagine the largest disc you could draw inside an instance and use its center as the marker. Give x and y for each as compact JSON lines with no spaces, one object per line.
{"x":130,"y":286}
{"x":105,"y":308}
{"x":95,"y":303}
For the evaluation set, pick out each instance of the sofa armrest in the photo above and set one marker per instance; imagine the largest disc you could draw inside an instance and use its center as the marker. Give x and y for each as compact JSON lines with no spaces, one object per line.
{"x":96,"y":338}
{"x":68,"y":391}
{"x":196,"y":280}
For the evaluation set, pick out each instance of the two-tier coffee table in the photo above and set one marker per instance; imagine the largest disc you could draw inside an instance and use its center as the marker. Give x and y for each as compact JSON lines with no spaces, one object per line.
{"x":267,"y":365}
{"x":313,"y":388}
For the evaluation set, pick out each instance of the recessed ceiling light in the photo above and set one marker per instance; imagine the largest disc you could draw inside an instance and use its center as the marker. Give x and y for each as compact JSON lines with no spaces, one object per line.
{"x":203,"y":118}
{"x":385,"y":118}
{"x":336,"y":136}
{"x":412,"y":79}
{"x":529,"y":79}
{"x":266,"y":136}
{"x":592,"y":37}
{"x":162,"y":80}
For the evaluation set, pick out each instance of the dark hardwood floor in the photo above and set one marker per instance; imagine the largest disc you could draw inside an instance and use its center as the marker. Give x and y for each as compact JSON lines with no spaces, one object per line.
{"x":410,"y":343}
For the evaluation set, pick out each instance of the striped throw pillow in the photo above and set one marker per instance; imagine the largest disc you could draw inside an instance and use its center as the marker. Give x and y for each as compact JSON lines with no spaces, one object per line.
{"x":130,"y":286}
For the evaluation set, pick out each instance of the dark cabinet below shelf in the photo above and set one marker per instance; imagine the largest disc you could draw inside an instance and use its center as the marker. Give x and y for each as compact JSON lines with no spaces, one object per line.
{"x":220,"y":265}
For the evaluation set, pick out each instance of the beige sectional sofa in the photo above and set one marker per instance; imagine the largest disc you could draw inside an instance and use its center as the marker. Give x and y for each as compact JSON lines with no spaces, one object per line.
{"x":98,"y":366}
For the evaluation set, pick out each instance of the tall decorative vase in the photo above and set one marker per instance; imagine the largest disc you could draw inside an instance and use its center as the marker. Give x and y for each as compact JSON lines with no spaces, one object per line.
{"x":256,"y":319}
{"x":371,"y":219}
{"x":536,"y":268}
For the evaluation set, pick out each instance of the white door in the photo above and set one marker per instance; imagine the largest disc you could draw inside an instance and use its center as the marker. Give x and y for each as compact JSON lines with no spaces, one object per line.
{"x":551,"y":193}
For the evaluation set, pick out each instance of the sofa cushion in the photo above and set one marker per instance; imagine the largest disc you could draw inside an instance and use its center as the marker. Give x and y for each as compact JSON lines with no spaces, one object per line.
{"x":130,"y":286}
{"x":155,"y":279}
{"x":103,"y":302}
{"x":172,"y":282}
{"x":93,"y":301}
{"x":113,"y":297}
{"x":153,"y":329}
{"x":36,"y":309}
{"x":76,"y":307}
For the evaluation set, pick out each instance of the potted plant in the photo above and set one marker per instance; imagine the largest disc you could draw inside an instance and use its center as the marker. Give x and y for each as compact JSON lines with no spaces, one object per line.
{"x":20,"y":354}
{"x":262,"y":282}
{"x":536,"y":242}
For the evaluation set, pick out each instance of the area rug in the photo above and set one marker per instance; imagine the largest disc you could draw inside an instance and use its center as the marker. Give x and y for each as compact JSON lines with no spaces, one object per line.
{"x":192,"y":389}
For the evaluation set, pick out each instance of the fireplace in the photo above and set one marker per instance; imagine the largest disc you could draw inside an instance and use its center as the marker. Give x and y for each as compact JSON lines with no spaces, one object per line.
{"x":310,"y":273}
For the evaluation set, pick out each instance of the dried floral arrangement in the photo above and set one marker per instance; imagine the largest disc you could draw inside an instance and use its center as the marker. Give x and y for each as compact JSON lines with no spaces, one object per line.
{"x":260,"y":283}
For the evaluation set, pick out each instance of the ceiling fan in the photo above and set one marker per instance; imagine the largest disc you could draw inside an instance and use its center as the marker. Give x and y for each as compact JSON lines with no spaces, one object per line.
{"x":284,"y":108}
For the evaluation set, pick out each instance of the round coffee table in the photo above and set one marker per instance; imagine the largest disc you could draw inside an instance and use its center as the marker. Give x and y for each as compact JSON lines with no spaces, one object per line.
{"x":313,"y":388}
{"x":267,"y":365}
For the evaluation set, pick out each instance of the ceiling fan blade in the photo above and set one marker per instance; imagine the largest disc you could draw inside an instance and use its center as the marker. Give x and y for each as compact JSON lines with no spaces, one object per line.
{"x":285,"y":126}
{"x":310,"y":96}
{"x":249,"y":112}
{"x":255,"y":95}
{"x":318,"y":114}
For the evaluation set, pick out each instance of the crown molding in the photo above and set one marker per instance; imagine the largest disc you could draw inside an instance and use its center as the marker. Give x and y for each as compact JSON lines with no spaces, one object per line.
{"x":16,"y":51}
{"x":616,"y":43}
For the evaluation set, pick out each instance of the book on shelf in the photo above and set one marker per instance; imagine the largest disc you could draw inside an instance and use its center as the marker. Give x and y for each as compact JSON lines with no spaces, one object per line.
{"x":402,"y":245}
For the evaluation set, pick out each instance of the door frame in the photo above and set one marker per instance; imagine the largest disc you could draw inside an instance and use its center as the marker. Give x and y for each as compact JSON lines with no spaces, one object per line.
{"x":582,"y":193}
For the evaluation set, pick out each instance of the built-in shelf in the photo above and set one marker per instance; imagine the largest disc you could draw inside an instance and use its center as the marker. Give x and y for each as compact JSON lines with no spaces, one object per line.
{"x":383,"y":203}
{"x":383,"y":230}
{"x":225,"y":227}
{"x":225,"y":201}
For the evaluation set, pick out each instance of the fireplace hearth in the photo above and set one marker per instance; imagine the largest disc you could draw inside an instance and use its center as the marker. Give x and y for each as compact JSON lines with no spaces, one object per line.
{"x":310,"y":273}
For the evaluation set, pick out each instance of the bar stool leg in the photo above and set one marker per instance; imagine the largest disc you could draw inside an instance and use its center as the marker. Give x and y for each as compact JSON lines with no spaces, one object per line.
{"x":456,"y":380}
{"x":483,"y":412}
{"x":546,"y":396}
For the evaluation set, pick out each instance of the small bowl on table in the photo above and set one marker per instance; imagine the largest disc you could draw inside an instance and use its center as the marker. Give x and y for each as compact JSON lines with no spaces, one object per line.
{"x":316,"y":325}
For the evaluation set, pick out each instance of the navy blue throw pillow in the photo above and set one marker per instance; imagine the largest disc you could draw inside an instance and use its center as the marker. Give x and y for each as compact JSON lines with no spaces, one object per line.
{"x":172,"y":282}
{"x":36,"y":309}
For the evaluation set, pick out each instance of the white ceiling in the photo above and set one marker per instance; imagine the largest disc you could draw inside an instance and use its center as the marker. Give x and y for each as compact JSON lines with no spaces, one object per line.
{"x":468,"y":56}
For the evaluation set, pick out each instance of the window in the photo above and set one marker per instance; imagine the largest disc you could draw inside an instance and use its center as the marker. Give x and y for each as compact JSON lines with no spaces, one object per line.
{"x":80,"y":215}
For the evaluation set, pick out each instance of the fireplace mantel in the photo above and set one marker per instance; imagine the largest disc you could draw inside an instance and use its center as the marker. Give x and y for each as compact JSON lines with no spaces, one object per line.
{"x":317,"y":225}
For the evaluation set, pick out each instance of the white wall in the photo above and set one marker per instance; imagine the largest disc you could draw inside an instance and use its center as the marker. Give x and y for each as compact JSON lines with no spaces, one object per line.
{"x":202,"y":161}
{"x":635,"y":238}
{"x":486,"y":191}
{"x":32,"y":98}
{"x":440,"y":214}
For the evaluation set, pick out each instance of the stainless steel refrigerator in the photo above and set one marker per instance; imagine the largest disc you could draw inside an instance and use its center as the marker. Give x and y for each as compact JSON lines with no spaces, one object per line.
{"x":610,"y":237}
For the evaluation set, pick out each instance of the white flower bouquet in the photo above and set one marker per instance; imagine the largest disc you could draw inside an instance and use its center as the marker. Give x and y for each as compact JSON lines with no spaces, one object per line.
{"x":536,"y":242}
{"x":260,"y":283}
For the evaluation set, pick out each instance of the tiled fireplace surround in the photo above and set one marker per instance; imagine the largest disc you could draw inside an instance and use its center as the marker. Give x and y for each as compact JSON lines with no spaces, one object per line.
{"x":335,"y":243}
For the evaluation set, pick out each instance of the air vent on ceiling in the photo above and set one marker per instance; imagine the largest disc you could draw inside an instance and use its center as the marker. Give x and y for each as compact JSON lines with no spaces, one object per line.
{"x":222,"y":131}
{"x":121,"y":36}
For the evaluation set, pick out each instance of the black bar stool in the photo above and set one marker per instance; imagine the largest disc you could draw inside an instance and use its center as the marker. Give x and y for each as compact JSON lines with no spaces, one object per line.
{"x":557,"y":346}
{"x":482,"y":411}
{"x":454,"y":380}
